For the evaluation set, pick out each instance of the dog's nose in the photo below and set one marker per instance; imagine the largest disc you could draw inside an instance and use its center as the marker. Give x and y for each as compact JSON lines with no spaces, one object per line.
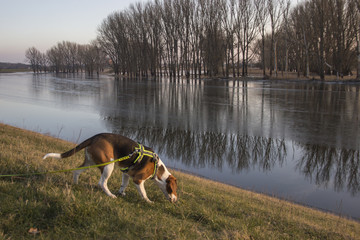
{"x":173,"y":198}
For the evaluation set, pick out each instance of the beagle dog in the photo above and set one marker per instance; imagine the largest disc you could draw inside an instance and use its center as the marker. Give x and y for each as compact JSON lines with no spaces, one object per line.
{"x":136,"y":161}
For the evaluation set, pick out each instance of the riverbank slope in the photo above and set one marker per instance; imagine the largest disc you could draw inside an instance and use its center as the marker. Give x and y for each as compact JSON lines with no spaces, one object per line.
{"x":51,"y":207}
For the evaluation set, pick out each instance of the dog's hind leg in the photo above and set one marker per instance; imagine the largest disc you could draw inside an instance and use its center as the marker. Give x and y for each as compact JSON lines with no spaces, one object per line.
{"x":104,"y":178}
{"x":77,"y":173}
{"x":88,"y":162}
{"x":124,"y":183}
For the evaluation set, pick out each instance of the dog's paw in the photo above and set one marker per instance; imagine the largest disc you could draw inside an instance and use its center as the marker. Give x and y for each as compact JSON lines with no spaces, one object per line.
{"x":122,"y":194}
{"x":112,"y":196}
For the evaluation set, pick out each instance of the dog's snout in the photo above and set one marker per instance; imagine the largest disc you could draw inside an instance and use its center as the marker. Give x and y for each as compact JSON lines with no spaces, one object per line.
{"x":172,"y":198}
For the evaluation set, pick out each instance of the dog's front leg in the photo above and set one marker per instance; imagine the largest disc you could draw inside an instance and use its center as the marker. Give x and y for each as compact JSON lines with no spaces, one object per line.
{"x":141,"y":189}
{"x":124,"y":183}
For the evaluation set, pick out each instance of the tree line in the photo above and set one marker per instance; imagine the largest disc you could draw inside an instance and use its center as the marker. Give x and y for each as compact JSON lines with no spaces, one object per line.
{"x":68,"y":57}
{"x":221,"y":37}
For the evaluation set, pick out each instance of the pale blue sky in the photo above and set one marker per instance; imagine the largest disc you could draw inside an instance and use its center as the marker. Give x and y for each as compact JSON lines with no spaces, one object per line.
{"x":43,"y":23}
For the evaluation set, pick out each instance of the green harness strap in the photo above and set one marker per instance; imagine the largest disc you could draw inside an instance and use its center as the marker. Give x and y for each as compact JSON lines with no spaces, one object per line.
{"x":141,"y":153}
{"x":67,"y":170}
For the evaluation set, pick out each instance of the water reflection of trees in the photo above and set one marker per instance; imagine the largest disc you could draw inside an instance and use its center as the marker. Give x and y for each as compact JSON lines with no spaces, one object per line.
{"x":317,"y":113}
{"x":321,"y":163}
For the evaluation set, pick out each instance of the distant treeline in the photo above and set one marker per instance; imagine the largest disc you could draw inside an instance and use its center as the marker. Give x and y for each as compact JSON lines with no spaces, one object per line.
{"x":68,"y":57}
{"x":217,"y":37}
{"x":5,"y":65}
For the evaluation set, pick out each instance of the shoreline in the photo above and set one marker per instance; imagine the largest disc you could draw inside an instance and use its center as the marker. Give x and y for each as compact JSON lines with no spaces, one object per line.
{"x":205,"y":207}
{"x":253,"y":76}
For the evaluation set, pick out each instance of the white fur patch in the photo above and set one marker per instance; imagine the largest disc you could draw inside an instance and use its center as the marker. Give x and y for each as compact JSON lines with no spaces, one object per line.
{"x":53,"y":155}
{"x":166,"y":173}
{"x":173,"y":198}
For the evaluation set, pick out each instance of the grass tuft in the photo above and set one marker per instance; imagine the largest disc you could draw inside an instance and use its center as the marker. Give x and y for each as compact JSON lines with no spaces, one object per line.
{"x":205,"y":210}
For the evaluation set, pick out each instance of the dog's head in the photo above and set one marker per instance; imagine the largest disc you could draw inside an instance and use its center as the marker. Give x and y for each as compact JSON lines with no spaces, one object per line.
{"x":171,"y":186}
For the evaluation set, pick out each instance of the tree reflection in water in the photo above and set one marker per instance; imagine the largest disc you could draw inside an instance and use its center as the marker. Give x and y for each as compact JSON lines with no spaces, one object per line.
{"x":243,"y":152}
{"x":321,"y":163}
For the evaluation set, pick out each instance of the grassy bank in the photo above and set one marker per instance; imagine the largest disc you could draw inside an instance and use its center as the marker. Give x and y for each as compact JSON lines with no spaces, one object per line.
{"x":206,"y":210}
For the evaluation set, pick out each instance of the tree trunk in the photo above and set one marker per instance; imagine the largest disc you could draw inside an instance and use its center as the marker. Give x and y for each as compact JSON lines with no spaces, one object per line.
{"x":322,"y":60}
{"x":306,"y":57}
{"x":358,"y":56}
{"x":307,"y":64}
{"x":232,"y":60}
{"x":275,"y":59}
{"x":271,"y":54}
{"x":238,"y":59}
{"x":263,"y":52}
{"x":321,"y":40}
{"x":286,"y":57}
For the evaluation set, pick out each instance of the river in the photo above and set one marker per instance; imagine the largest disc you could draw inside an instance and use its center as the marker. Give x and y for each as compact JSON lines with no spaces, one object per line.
{"x":296,"y":140}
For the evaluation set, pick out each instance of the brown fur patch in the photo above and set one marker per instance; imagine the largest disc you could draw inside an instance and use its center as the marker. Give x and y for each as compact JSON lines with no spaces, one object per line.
{"x":171,"y":185}
{"x":142,"y":172}
{"x":160,"y":171}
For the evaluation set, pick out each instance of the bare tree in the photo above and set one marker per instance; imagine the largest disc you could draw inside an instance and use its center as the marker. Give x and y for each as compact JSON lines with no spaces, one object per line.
{"x":357,"y":30}
{"x":275,"y":12}
{"x":33,"y":56}
{"x":196,"y":25}
{"x":213,"y":37}
{"x":285,"y":14}
{"x":55,"y":58}
{"x":153,"y":25}
{"x":262,"y":16}
{"x":228,"y":19}
{"x":43,"y":61}
{"x":246,"y":30}
{"x":319,"y":18}
{"x":303,"y":21}
{"x":170,"y":36}
{"x":300,"y":37}
{"x":111,"y":37}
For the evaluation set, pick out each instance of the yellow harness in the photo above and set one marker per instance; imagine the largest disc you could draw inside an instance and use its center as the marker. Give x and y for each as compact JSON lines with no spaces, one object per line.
{"x":141,"y":151}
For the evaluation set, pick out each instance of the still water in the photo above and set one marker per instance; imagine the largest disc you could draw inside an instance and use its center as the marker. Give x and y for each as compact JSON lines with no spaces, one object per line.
{"x":295,"y":140}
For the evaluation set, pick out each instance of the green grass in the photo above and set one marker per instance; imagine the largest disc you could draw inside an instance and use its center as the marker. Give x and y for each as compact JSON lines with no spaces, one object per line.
{"x":205,"y":210}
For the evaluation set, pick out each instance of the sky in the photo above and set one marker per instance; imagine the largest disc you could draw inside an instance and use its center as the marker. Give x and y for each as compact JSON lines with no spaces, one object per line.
{"x":44,"y":23}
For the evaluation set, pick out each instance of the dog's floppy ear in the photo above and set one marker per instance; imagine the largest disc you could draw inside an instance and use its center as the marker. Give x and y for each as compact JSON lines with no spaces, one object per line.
{"x":172,"y":183}
{"x":170,"y":178}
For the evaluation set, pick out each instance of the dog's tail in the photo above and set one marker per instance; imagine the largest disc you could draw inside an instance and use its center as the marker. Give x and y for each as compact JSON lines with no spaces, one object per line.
{"x":71,"y":152}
